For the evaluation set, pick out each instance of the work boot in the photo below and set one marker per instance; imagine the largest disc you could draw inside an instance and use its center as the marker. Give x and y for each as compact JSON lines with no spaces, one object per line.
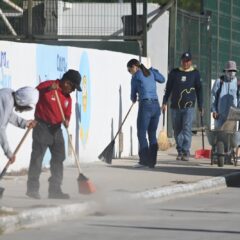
{"x":58,"y":195}
{"x":185,"y":157}
{"x":33,"y":194}
{"x":179,"y":156}
{"x":55,"y":192}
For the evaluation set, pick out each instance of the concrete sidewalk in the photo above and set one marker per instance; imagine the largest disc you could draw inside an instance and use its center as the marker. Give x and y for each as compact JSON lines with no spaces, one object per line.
{"x":115,"y":183}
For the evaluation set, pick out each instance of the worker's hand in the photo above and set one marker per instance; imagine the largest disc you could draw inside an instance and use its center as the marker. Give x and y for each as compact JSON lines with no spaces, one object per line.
{"x":54,"y":86}
{"x":215,"y":115}
{"x":12,"y":159}
{"x":31,"y":124}
{"x":164,"y":108}
{"x":66,"y":123}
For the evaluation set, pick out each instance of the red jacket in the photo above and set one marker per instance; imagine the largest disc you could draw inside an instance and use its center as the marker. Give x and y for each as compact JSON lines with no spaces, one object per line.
{"x":47,"y":107}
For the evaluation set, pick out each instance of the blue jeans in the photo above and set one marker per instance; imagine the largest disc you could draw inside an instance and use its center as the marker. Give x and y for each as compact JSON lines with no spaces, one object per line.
{"x":182,"y":126}
{"x":147,"y":123}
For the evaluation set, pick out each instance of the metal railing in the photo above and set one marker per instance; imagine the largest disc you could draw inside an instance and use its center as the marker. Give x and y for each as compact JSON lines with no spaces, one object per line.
{"x":57,"y":19}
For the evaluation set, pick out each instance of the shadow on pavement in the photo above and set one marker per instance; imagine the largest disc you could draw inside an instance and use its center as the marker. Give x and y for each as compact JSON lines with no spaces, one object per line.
{"x":186,"y":170}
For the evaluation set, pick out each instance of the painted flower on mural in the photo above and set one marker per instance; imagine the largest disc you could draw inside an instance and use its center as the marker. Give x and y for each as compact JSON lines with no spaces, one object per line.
{"x":83,"y":99}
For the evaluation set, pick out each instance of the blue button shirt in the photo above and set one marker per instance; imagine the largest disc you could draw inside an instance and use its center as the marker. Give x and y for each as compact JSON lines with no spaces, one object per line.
{"x":145,"y":87}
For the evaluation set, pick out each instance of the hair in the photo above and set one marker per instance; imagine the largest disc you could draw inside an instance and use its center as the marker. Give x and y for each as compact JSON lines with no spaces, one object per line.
{"x":135,"y":62}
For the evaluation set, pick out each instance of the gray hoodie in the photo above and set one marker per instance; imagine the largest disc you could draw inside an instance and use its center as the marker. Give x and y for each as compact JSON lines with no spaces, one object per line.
{"x":7,"y":115}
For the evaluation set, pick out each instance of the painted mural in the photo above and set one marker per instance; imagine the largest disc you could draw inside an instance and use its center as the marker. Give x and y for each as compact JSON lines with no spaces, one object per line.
{"x":83,"y":99}
{"x":51,"y":64}
{"x":5,"y":76}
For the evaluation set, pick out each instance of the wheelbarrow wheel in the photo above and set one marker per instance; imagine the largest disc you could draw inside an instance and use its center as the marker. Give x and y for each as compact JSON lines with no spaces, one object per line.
{"x":220,"y":152}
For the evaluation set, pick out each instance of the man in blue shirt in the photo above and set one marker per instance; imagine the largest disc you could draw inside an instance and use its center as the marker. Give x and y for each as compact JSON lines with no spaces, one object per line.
{"x":184,"y":86}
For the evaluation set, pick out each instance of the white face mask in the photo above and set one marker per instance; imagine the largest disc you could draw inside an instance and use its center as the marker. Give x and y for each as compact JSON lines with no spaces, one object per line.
{"x":230,"y":75}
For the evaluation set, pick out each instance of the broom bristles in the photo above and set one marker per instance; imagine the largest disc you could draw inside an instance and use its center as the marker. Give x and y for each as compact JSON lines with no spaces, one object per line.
{"x":163,"y":142}
{"x":107,"y":153}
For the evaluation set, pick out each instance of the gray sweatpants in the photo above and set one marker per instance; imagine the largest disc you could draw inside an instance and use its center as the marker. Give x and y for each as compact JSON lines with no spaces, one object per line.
{"x":45,"y":137}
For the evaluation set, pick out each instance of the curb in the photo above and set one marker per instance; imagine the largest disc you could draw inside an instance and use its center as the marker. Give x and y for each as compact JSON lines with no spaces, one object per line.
{"x":183,"y":190}
{"x":43,"y":216}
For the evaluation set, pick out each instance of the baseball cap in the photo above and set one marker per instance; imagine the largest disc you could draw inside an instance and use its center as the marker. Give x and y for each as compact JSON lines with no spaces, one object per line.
{"x":187,"y":56}
{"x":73,"y":76}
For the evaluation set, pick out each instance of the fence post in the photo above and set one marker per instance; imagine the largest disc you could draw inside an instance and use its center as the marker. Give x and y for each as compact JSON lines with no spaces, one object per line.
{"x":30,"y":4}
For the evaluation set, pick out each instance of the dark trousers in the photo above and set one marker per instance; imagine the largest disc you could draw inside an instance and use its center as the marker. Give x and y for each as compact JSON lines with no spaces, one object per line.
{"x":45,"y":137}
{"x":147,"y":123}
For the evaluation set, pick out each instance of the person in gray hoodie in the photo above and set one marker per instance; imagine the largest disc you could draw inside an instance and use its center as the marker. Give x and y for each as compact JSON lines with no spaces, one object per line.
{"x":224,"y":94}
{"x":24,"y":99}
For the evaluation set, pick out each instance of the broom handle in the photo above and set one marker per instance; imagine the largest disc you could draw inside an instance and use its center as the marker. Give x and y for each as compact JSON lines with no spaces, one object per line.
{"x":163,"y":119}
{"x":123,"y":121}
{"x":15,"y":152}
{"x":202,"y":132}
{"x":69,"y":137}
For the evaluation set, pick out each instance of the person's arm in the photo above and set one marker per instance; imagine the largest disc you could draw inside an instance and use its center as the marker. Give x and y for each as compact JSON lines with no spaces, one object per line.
{"x":17,"y":121}
{"x":169,"y":87}
{"x":133,"y":89}
{"x":157,"y":75}
{"x":214,"y":90}
{"x":4,"y":143}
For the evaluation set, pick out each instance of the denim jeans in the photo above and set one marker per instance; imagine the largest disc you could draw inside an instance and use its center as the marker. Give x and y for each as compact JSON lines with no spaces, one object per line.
{"x":147,"y":123}
{"x":182,"y":126}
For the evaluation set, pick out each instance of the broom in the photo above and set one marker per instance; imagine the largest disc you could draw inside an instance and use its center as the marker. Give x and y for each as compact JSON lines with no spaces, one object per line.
{"x":107,"y":153}
{"x":85,"y":186}
{"x":163,"y":142}
{"x":8,"y":163}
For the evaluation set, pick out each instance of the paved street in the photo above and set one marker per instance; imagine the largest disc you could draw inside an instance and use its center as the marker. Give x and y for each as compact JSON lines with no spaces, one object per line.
{"x":206,"y":216}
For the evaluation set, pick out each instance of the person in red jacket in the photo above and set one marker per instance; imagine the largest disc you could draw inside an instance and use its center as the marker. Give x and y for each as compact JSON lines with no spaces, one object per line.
{"x":48,"y":133}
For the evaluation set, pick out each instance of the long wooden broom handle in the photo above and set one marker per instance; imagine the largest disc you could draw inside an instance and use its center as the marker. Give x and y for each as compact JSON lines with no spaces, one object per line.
{"x":124,"y":121}
{"x":69,"y":137}
{"x":15,"y":152}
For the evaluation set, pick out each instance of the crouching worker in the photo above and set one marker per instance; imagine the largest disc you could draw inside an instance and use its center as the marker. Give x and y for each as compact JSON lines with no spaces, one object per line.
{"x":24,"y":99}
{"x":48,"y":133}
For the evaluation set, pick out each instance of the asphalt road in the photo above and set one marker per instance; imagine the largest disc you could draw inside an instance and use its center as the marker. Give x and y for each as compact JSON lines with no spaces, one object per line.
{"x":205,"y":216}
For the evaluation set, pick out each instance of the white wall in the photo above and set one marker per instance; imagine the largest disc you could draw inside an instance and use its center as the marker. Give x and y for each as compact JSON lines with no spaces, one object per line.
{"x":105,"y":71}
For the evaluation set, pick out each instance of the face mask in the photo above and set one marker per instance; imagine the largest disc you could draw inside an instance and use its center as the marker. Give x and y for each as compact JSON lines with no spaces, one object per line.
{"x":231,"y":75}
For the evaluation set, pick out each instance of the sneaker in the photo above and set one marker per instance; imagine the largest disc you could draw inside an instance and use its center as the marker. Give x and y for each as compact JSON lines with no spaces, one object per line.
{"x":138,"y":165}
{"x":185,"y":157}
{"x":33,"y":194}
{"x":58,"y":195}
{"x":179,"y":156}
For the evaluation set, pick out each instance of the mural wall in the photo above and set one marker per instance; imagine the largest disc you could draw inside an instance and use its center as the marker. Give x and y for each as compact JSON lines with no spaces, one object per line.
{"x":96,"y":111}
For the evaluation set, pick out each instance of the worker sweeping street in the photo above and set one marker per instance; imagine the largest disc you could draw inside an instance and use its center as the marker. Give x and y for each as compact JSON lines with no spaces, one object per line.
{"x":143,"y":86}
{"x":48,"y":133}
{"x":24,"y":99}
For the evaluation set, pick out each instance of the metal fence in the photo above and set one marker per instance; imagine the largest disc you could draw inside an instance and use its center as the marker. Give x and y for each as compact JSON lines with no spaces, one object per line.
{"x":55,"y":19}
{"x":225,"y":33}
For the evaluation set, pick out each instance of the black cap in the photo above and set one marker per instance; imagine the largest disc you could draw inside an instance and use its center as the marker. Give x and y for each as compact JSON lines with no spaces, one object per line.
{"x":73,"y":76}
{"x":187,"y":56}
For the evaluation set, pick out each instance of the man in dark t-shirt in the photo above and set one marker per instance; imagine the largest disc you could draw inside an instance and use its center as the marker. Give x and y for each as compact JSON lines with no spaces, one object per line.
{"x":184,"y":87}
